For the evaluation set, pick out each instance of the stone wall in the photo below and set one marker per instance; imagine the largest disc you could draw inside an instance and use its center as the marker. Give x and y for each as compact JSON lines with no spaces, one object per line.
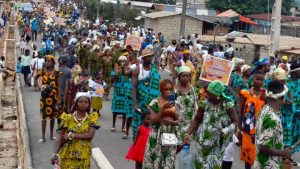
{"x":244,"y":51}
{"x":170,"y":27}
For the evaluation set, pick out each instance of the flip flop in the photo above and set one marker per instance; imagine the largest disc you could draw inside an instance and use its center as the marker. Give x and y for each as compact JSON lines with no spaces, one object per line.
{"x":125,"y":137}
{"x":40,"y":141}
{"x":113,"y":129}
{"x":53,"y":138}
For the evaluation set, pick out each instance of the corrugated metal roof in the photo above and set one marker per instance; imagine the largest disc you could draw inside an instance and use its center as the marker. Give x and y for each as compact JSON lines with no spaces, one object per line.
{"x":160,"y":14}
{"x":142,"y":4}
{"x":296,"y":51}
{"x":224,"y":21}
{"x":267,"y":17}
{"x":287,"y":43}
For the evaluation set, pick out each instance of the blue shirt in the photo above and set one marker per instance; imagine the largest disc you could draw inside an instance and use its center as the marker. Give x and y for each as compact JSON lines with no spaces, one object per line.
{"x":34,"y":25}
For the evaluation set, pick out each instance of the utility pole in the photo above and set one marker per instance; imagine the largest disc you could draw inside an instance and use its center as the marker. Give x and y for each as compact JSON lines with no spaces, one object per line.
{"x":182,"y":26}
{"x":275,"y":28}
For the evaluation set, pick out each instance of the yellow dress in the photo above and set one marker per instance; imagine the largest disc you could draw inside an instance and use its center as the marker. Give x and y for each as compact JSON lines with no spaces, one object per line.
{"x":77,"y":153}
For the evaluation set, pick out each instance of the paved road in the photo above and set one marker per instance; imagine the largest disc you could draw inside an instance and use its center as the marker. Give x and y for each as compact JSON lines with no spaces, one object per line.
{"x":111,"y":144}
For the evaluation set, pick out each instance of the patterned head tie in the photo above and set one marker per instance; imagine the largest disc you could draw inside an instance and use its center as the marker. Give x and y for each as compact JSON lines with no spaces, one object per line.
{"x":270,"y":94}
{"x":217,"y":88}
{"x":50,"y":57}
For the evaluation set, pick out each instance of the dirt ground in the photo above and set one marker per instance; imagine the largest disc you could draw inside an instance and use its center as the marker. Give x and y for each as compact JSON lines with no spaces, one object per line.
{"x":8,"y":134}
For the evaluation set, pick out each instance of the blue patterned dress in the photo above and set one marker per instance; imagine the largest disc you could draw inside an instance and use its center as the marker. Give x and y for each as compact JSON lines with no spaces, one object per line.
{"x":122,"y":97}
{"x":294,"y":89}
{"x":148,"y":89}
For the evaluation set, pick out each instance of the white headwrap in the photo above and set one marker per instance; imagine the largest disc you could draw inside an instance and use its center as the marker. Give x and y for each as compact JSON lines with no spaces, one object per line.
{"x":277,"y":95}
{"x":122,"y":58}
{"x":82,"y":94}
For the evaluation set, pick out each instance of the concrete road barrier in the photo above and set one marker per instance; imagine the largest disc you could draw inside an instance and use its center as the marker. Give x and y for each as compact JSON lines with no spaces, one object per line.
{"x":23,"y":136}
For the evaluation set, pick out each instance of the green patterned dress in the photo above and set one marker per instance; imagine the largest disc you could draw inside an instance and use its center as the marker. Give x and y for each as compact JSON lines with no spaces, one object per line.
{"x":145,"y":93}
{"x":158,"y":156}
{"x":269,"y":133}
{"x":185,"y":110}
{"x":210,"y":146}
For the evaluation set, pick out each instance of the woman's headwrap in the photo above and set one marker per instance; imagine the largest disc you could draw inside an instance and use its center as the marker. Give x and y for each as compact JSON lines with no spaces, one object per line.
{"x":245,"y":68}
{"x":122,"y":58}
{"x":183,"y":69}
{"x":279,"y":74}
{"x":260,"y":62}
{"x":50,"y":57}
{"x":82,"y":94}
{"x":217,"y":88}
{"x":75,"y":72}
{"x":186,"y":51}
{"x":270,"y":94}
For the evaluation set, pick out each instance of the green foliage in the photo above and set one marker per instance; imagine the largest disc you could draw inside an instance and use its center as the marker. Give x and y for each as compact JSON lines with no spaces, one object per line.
{"x":247,"y":7}
{"x":111,"y":12}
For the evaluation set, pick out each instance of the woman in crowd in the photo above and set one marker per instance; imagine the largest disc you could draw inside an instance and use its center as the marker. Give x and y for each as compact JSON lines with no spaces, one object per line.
{"x":164,"y":120}
{"x":26,"y":63}
{"x":50,"y":95}
{"x":262,"y":65}
{"x":269,"y":134}
{"x":293,"y":85}
{"x":76,"y":84}
{"x":286,"y":109}
{"x":251,"y":102}
{"x":121,"y":82}
{"x":216,"y":121}
{"x":74,"y":146}
{"x":246,"y":72}
{"x":186,"y":101}
{"x":106,"y":67}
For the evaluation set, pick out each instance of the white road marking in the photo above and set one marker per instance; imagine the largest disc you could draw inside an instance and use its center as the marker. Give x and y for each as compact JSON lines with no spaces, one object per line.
{"x":100,"y":159}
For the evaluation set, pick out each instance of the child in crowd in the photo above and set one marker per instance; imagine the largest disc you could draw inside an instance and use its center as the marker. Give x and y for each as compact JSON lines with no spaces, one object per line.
{"x":228,"y":154}
{"x":251,"y":102}
{"x":137,"y":149}
{"x":19,"y":65}
{"x":97,"y":90}
{"x":22,"y":46}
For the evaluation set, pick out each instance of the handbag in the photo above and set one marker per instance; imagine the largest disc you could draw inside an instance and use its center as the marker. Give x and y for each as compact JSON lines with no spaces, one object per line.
{"x":46,"y":90}
{"x":169,"y":139}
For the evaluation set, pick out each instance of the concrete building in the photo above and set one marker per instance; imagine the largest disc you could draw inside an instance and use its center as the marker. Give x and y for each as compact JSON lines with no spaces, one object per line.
{"x":168,"y":23}
{"x":249,"y":46}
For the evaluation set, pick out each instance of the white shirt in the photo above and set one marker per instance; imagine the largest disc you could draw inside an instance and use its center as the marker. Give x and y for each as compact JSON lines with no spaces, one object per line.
{"x":219,"y":54}
{"x":39,"y":63}
{"x":26,"y":60}
{"x":2,"y":64}
{"x":199,"y":46}
{"x":230,"y":50}
{"x":35,"y":53}
{"x":143,"y":73}
{"x":95,"y":86}
{"x":72,"y":40}
{"x":228,"y":154}
{"x":1,"y":22}
{"x":171,"y":48}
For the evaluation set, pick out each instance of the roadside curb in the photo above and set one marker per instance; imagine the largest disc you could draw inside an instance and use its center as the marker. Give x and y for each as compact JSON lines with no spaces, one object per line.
{"x":100,"y":159}
{"x":25,"y":153}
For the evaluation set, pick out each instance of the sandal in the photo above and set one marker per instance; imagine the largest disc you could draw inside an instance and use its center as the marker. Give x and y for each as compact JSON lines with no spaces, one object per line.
{"x":53,"y":138}
{"x":40,"y":141}
{"x":113,"y":129}
{"x":125,"y":137}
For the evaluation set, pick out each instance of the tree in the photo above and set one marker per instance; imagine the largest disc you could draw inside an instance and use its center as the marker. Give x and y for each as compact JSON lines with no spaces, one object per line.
{"x":247,"y":7}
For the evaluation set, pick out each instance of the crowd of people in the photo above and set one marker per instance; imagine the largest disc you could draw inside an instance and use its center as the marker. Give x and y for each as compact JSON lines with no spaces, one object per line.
{"x":258,"y":109}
